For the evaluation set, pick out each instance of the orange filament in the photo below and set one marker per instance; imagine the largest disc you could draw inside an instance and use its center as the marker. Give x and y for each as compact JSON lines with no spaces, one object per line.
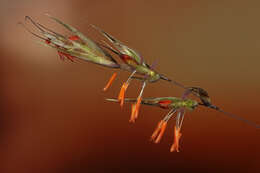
{"x":109,"y":83}
{"x":177,"y":136}
{"x":121,"y":96}
{"x":159,"y":131}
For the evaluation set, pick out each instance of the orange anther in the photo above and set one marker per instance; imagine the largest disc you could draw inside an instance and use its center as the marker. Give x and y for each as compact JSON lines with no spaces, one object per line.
{"x":109,"y":83}
{"x":138,"y":104}
{"x":177,"y":136}
{"x":132,"y":118}
{"x":159,"y":137}
{"x":159,"y":131}
{"x":121,"y":95}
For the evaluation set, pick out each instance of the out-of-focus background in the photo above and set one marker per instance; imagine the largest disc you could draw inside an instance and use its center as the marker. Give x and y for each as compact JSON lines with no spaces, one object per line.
{"x":53,"y":114}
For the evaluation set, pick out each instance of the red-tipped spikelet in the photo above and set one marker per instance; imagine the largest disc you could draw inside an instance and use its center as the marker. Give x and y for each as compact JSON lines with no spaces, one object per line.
{"x":75,"y":46}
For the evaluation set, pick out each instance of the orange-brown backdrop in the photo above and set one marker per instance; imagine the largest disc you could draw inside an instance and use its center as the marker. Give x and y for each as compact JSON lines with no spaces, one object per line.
{"x":53,"y":114}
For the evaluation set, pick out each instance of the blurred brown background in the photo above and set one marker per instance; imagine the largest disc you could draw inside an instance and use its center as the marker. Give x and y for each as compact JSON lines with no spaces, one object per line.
{"x":53,"y":114}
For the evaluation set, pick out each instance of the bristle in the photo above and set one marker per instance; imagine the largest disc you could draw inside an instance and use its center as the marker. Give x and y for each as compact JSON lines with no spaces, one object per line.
{"x":112,"y":100}
{"x":36,"y":35}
